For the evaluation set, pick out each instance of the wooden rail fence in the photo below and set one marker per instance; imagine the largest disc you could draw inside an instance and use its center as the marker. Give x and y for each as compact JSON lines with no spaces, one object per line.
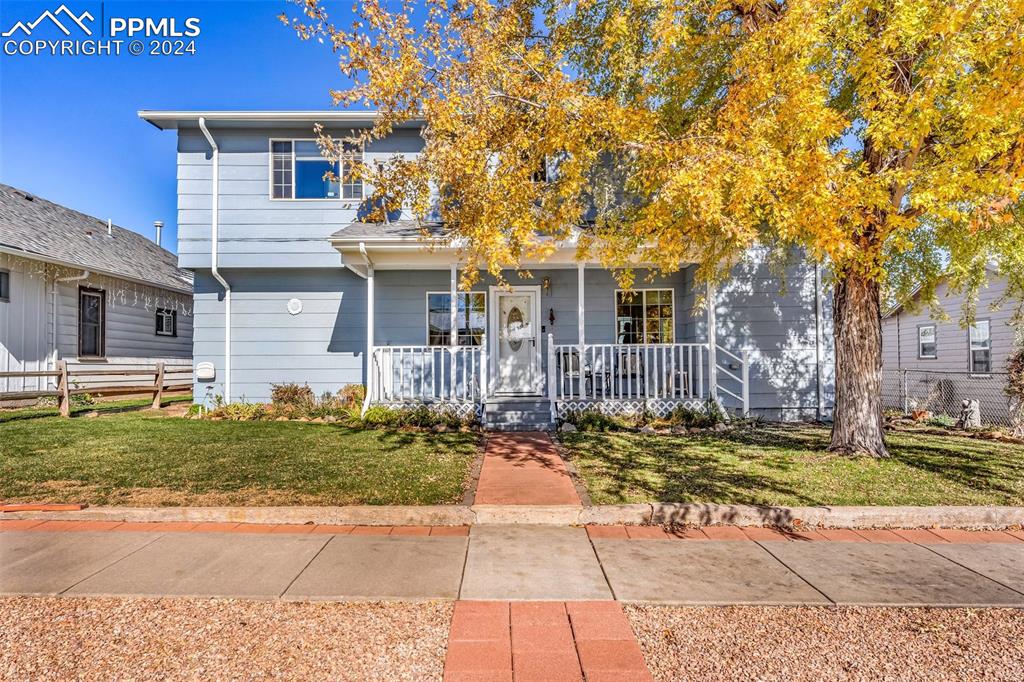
{"x":65,"y":378}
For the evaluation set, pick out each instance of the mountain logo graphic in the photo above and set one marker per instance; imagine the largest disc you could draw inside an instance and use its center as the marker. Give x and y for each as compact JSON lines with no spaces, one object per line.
{"x":79,"y":20}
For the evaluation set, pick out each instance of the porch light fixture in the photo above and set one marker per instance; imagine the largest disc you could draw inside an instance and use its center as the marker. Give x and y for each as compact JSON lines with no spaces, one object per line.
{"x":546,"y":283}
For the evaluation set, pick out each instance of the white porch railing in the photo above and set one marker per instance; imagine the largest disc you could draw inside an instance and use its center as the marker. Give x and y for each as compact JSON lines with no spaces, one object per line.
{"x":660,"y":374}
{"x":427,"y":374}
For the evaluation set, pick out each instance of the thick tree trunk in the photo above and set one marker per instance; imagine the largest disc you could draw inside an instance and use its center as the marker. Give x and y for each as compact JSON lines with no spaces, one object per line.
{"x":856,"y":312}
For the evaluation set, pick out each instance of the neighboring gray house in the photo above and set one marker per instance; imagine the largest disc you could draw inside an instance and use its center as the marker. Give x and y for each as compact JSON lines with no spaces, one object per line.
{"x":83,"y":290}
{"x":290,"y":286}
{"x":936,"y":364}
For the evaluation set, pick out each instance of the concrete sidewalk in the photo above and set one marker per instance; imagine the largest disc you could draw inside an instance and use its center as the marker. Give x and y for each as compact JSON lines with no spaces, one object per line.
{"x":513,"y":563}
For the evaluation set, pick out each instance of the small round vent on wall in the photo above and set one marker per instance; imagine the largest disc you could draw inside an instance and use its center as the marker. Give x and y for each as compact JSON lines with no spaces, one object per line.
{"x":294,"y":306}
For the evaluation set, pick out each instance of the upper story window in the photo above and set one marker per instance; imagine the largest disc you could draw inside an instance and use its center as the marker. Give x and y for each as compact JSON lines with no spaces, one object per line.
{"x":299,"y":171}
{"x":979,"y":339}
{"x":92,"y":322}
{"x":927,"y":347}
{"x":166,"y":322}
{"x":644,"y":316}
{"x":5,"y":286}
{"x":470,"y":318}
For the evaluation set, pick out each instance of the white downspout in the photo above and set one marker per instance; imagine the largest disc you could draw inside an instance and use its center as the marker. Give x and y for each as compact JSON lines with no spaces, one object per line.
{"x":214,"y":239}
{"x":369,"y":326}
{"x":53,"y":310}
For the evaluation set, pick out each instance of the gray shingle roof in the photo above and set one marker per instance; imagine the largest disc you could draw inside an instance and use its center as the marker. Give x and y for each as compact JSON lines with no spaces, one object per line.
{"x":394,"y":229}
{"x":51,"y":231}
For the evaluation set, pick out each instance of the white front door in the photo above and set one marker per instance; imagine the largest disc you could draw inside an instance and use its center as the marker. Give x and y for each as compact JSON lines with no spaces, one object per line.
{"x":517,"y":340}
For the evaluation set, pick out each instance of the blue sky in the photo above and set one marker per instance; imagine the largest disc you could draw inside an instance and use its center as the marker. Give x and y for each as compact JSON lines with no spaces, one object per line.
{"x":68,"y":125}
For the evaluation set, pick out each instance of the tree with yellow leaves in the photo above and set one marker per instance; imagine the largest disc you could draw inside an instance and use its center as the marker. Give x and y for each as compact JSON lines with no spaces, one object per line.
{"x":883,"y":138}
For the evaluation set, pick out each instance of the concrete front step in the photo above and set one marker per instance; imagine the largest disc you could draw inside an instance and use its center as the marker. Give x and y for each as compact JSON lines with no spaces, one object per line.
{"x":518,"y":413}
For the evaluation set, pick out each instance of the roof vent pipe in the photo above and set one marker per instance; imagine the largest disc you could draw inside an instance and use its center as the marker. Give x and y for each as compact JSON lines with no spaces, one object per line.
{"x":110,"y":228}
{"x":159,"y":225}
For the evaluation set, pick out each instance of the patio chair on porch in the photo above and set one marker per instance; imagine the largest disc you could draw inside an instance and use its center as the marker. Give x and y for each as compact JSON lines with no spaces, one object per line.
{"x":629,"y":367}
{"x":571,"y":374}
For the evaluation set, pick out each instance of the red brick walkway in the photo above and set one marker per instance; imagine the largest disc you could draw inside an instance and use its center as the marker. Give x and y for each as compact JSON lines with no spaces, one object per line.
{"x":524,"y":468}
{"x":523,"y":641}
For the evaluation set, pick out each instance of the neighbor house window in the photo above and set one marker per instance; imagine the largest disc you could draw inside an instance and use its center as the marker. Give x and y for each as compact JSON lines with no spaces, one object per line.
{"x":299,"y":171}
{"x":91,"y":322}
{"x":927,"y":349}
{"x":5,"y":285}
{"x":644,"y":316}
{"x":166,"y":322}
{"x":470,"y":318}
{"x":980,"y":339}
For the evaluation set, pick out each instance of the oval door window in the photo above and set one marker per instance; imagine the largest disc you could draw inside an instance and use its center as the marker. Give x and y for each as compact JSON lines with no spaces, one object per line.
{"x":513,"y":329}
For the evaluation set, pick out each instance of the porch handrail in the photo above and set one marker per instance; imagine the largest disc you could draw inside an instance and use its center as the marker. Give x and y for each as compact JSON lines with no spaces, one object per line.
{"x":427,"y":374}
{"x":625,"y":371}
{"x":650,"y":371}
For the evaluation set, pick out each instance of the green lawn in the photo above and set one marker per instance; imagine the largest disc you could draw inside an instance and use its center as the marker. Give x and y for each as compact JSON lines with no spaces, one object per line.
{"x":149,"y":460}
{"x":789,"y":465}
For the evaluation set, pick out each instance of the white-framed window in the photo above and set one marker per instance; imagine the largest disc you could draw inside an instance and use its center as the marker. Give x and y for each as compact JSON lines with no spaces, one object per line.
{"x":299,"y":171}
{"x":92,"y":322}
{"x":927,"y":345}
{"x":645,"y":316}
{"x":166,"y":322}
{"x":979,"y":341}
{"x":470,"y":317}
{"x":5,"y":286}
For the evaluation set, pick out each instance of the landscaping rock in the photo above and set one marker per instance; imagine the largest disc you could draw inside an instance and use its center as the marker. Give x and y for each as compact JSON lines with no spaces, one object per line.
{"x":566,"y":427}
{"x":440,"y":428}
{"x":720,"y":427}
{"x":330,"y":419}
{"x":318,"y":420}
{"x":680,"y":430}
{"x":302,"y":419}
{"x":648,"y":429}
{"x":281,"y":419}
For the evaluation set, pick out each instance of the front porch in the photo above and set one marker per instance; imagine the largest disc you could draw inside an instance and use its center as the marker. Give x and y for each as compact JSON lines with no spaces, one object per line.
{"x":521,"y":356}
{"x":613,"y":378}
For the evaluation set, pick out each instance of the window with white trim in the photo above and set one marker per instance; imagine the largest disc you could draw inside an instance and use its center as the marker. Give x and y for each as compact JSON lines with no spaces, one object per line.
{"x":979,"y":339}
{"x":5,"y":286}
{"x":166,"y":322}
{"x":92,"y":322}
{"x":470,"y":318}
{"x":298,"y":170}
{"x":927,"y":347}
{"x":644,"y":316}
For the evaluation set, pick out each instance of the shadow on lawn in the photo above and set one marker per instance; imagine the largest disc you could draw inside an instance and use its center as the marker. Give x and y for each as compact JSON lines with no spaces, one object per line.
{"x":983,"y":466}
{"x":684,"y":470}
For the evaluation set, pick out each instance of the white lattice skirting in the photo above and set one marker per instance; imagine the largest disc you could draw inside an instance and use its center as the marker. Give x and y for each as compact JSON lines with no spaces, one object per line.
{"x":622,"y":408}
{"x":461,"y":409}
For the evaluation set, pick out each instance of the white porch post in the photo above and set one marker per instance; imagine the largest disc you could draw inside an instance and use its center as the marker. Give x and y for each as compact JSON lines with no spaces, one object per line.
{"x":453,"y":336}
{"x":712,"y":345}
{"x":370,"y":321}
{"x":581,"y":324}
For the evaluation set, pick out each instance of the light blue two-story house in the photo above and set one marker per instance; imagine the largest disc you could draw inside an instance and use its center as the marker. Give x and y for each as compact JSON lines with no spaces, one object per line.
{"x":292,"y":286}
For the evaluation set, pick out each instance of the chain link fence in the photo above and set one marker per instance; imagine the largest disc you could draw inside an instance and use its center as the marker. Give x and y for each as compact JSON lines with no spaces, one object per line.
{"x":944,"y":392}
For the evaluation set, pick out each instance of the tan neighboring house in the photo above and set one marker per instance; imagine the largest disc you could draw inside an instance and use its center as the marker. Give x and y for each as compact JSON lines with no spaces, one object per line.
{"x":936,"y":364}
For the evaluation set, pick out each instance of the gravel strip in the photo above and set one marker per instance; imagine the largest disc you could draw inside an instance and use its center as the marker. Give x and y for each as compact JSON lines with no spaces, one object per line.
{"x":189,"y":639}
{"x":793,"y":644}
